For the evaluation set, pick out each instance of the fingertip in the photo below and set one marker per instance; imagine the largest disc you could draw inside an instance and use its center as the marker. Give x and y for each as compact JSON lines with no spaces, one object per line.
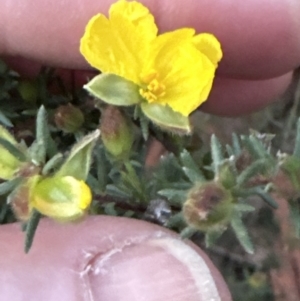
{"x":105,"y":258}
{"x":231,"y":97}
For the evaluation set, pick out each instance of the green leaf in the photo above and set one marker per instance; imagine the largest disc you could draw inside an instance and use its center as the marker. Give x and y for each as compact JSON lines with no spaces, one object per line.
{"x":116,"y":191}
{"x":102,"y":169}
{"x":191,"y":169}
{"x":78,"y":162}
{"x":43,"y":143}
{"x":295,"y":217}
{"x":296,"y":152}
{"x":166,"y":118}
{"x":53,"y":163}
{"x":244,"y":207}
{"x":30,"y":229}
{"x":255,"y":147}
{"x":13,"y":149}
{"x":9,"y":186}
{"x":212,"y":236}
{"x":256,"y":168}
{"x":266,"y":197}
{"x":177,"y":196}
{"x":216,"y":153}
{"x":109,"y":209}
{"x":236,"y":145}
{"x":4,"y":120}
{"x":242,"y":233}
{"x":42,"y":135}
{"x":187,"y":232}
{"x":114,"y":90}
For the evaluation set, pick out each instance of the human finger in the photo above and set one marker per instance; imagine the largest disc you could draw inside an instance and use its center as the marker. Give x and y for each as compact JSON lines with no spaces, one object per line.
{"x":233,"y":97}
{"x":105,"y":258}
{"x":260,"y":39}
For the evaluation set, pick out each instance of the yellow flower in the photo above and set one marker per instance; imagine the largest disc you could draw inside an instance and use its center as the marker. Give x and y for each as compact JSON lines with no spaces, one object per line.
{"x":61,"y":198}
{"x":175,"y":68}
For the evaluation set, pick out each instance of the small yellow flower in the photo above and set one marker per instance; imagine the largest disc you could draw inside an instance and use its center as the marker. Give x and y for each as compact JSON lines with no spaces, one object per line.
{"x":175,"y":68}
{"x":61,"y":198}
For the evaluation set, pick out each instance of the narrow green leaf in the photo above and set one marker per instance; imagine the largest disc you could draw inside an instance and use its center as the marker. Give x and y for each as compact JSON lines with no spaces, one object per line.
{"x":296,"y":152}
{"x":166,"y":118}
{"x":3,"y":212}
{"x":256,"y":168}
{"x":236,"y":144}
{"x":266,"y":197}
{"x":229,"y":150}
{"x":295,"y":217}
{"x":191,"y":169}
{"x":212,"y":236}
{"x":187,"y":232}
{"x":114,"y":90}
{"x":13,"y":149}
{"x":242,"y":233}
{"x":176,"y":221}
{"x":216,"y":152}
{"x":115,"y":191}
{"x":52,"y":164}
{"x":144,"y":122}
{"x":31,"y":227}
{"x":255,"y":147}
{"x":9,"y":186}
{"x":243,"y":208}
{"x":102,"y":168}
{"x":175,"y":195}
{"x":42,"y":135}
{"x":79,"y":160}
{"x":110,"y":209}
{"x":4,"y":120}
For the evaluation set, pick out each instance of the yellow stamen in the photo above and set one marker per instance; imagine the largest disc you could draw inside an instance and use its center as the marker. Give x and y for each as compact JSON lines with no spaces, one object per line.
{"x":154,"y":89}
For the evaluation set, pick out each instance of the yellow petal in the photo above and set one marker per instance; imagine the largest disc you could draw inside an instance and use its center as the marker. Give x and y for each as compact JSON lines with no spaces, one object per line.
{"x":120,"y":44}
{"x":185,"y":73}
{"x":210,"y":46}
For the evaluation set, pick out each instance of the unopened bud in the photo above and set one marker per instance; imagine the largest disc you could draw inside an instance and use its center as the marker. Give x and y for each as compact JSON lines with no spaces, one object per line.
{"x":61,"y":198}
{"x":28,"y":90}
{"x":208,"y":207}
{"x":116,"y":132}
{"x":68,"y":118}
{"x":287,"y":178}
{"x":19,"y":198}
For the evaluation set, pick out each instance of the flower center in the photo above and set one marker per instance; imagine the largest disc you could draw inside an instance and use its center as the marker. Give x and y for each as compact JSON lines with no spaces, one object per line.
{"x":153,"y":88}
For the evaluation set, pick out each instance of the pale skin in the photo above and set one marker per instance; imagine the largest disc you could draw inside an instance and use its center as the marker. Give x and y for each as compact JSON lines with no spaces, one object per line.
{"x":261,"y":43}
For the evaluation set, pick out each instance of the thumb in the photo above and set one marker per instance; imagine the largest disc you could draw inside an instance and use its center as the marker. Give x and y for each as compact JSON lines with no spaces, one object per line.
{"x":105,"y":259}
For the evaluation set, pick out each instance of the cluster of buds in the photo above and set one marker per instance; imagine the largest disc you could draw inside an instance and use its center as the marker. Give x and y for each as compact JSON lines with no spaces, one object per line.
{"x":247,"y":168}
{"x":55,"y":188}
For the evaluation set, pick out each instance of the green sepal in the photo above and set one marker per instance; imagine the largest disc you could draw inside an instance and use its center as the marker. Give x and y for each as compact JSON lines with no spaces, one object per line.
{"x":114,"y":90}
{"x":78,"y":162}
{"x":167,"y":119}
{"x":241,"y":233}
{"x":30,"y":229}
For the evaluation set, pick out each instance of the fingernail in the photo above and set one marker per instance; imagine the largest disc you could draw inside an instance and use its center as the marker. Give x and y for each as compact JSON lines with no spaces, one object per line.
{"x":153,"y":270}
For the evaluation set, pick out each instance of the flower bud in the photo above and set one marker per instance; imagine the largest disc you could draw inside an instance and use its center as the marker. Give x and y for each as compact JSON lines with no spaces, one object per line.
{"x":61,"y":198}
{"x":116,"y":132}
{"x":287,"y":178}
{"x":28,"y":90}
{"x":208,"y":207}
{"x":19,"y":198}
{"x":68,"y":118}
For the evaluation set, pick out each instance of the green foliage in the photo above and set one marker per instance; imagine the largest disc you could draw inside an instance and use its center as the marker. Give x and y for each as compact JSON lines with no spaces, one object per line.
{"x":247,"y":167}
